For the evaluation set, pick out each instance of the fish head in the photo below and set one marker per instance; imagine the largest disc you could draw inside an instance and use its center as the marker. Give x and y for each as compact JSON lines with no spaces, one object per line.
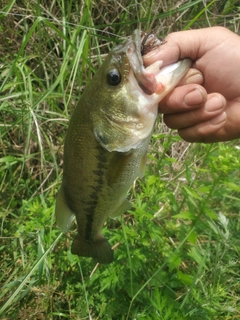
{"x":127,"y":94}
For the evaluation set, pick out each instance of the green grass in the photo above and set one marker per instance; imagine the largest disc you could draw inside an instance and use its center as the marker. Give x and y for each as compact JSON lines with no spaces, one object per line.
{"x":178,"y":249}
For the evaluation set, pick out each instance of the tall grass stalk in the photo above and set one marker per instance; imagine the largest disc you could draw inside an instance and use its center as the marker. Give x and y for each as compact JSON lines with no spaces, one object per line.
{"x":24,"y":282}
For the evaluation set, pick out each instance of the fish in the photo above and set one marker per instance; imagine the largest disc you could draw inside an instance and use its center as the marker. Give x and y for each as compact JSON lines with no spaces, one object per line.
{"x":106,"y":144}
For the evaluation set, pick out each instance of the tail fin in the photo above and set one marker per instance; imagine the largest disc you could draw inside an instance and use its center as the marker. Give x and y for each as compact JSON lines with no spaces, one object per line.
{"x":100,"y":250}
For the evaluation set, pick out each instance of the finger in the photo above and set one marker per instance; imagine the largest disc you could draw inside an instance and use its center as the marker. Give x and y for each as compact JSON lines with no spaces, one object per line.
{"x":213,"y":107}
{"x":193,"y":76}
{"x":178,"y":45}
{"x":182,"y":99}
{"x":186,"y":44}
{"x":206,"y":131}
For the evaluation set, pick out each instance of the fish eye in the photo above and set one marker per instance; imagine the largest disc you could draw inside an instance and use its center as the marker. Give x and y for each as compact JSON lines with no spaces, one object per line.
{"x":114,"y":77}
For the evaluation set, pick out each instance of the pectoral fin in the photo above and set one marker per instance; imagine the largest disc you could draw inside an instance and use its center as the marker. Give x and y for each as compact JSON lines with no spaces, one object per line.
{"x":117,"y":167}
{"x":64,"y":216}
{"x":143,"y":165}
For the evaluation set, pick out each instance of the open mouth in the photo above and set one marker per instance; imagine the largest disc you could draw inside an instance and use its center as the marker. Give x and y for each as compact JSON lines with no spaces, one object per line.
{"x":146,"y":77}
{"x":153,"y":79}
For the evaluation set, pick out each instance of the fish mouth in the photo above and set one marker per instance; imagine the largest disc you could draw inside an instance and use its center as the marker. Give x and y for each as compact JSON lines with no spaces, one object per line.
{"x":153,"y":79}
{"x":141,"y":43}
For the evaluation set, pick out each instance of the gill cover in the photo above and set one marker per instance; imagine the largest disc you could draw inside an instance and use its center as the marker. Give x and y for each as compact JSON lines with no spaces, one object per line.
{"x":122,"y":122}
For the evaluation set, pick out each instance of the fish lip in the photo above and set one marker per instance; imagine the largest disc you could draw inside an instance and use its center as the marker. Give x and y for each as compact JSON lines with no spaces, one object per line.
{"x":146,"y":80}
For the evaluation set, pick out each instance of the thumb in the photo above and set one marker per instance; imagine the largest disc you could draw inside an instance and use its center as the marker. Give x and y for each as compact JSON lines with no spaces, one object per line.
{"x":186,"y":44}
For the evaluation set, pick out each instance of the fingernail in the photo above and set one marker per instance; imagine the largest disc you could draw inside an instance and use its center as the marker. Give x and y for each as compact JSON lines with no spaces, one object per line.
{"x":194,"y":97}
{"x":219,"y":119}
{"x":195,"y":78}
{"x":214,"y":104}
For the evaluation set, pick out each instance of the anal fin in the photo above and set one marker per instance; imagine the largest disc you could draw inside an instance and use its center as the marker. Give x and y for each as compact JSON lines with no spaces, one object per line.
{"x":124,"y":206}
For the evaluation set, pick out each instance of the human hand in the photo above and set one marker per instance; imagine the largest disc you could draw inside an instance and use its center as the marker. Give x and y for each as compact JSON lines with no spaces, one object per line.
{"x":205,"y":107}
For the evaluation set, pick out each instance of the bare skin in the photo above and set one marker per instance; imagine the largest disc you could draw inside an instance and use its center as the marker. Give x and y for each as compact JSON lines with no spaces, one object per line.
{"x":205,"y":107}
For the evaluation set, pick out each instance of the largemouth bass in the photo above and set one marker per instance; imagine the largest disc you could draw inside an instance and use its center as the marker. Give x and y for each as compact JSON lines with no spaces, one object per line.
{"x":107,"y":141}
